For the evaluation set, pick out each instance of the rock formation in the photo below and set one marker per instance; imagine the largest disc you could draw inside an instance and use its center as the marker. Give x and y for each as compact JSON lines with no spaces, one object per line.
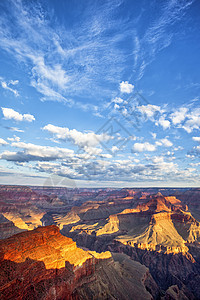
{"x":159,"y":232}
{"x":132,"y":243}
{"x":43,"y":264}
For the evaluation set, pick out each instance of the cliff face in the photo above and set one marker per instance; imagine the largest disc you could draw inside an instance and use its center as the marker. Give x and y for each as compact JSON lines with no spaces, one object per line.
{"x":47,"y":245}
{"x":160,"y":223}
{"x":43,"y":264}
{"x":167,"y":269}
{"x":159,"y":232}
{"x":30,"y":207}
{"x":7,"y":228}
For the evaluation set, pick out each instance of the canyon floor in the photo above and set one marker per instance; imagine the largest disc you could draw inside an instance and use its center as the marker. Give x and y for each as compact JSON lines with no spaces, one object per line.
{"x":131,"y":243}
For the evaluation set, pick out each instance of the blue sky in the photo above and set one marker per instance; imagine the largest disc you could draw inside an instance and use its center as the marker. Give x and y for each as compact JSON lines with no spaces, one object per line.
{"x":100,"y":93}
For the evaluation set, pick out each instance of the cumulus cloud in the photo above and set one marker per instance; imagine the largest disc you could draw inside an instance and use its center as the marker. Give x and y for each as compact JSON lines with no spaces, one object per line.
{"x":66,"y":163}
{"x":150,"y":110}
{"x":157,"y":170}
{"x":158,"y":159}
{"x":186,"y":119}
{"x":118,"y":100}
{"x":193,"y":120}
{"x":3,"y":142}
{"x":14,"y":139}
{"x":141,"y":147}
{"x":10,"y":113}
{"x":32,"y":152}
{"x":163,"y":122}
{"x":126,"y":87}
{"x":164,"y":142}
{"x":81,"y":139}
{"x":179,"y":116}
{"x":196,"y":138}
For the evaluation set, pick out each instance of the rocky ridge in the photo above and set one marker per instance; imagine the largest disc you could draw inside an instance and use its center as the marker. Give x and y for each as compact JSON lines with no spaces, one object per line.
{"x":43,"y":264}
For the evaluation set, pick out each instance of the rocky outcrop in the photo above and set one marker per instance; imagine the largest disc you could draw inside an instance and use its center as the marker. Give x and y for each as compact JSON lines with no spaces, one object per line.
{"x":7,"y":228}
{"x":159,"y":233}
{"x":174,"y":293}
{"x":43,"y":264}
{"x":167,"y":269}
{"x":157,"y":230}
{"x":160,"y":224}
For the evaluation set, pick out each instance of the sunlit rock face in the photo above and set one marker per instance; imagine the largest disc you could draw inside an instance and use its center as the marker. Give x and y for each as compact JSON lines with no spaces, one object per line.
{"x":191,"y":199}
{"x":7,"y":228}
{"x":26,"y":208}
{"x":158,"y":228}
{"x":43,"y":264}
{"x":158,"y":223}
{"x":18,"y":206}
{"x":157,"y":231}
{"x":46,"y":244}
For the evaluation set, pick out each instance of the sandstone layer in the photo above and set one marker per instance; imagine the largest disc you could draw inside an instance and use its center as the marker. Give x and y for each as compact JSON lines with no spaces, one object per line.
{"x":43,"y":264}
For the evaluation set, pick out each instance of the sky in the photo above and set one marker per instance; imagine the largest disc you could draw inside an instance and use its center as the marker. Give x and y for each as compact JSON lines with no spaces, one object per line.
{"x":100,"y":93}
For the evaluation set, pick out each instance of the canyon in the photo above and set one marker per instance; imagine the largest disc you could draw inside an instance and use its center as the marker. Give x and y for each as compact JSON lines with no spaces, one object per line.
{"x":61,"y":243}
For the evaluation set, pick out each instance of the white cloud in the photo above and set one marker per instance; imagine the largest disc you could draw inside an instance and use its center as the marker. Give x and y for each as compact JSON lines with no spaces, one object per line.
{"x":32,"y":152}
{"x":154,"y":135}
{"x":141,"y":147}
{"x":28,"y":117}
{"x":195,"y":164}
{"x":49,"y":93}
{"x":158,"y":159}
{"x":114,"y":149}
{"x":10,"y":113}
{"x":178,"y":148}
{"x":7,"y":87}
{"x":126,"y":87}
{"x":118,"y":100}
{"x":13,"y":82}
{"x":179,"y":115}
{"x":3,"y":142}
{"x":193,"y":120}
{"x":82,"y":139}
{"x":196,"y":138}
{"x":165,"y":142}
{"x":54,"y":74}
{"x":14,"y":139}
{"x":15,"y":129}
{"x":158,"y":35}
{"x":163,"y":122}
{"x":150,"y":110}
{"x":69,"y":62}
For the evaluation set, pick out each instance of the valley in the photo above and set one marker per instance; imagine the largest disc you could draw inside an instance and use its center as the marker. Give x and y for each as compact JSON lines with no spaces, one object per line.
{"x":99,"y":243}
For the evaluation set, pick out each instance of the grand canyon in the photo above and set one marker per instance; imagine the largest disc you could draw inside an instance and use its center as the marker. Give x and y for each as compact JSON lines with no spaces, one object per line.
{"x":99,"y":150}
{"x":130,"y":243}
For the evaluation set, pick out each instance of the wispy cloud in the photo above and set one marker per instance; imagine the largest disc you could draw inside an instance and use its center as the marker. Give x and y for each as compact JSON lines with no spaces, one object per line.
{"x":14,"y":129}
{"x":79,"y":61}
{"x":159,"y":34}
{"x":7,"y":86}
